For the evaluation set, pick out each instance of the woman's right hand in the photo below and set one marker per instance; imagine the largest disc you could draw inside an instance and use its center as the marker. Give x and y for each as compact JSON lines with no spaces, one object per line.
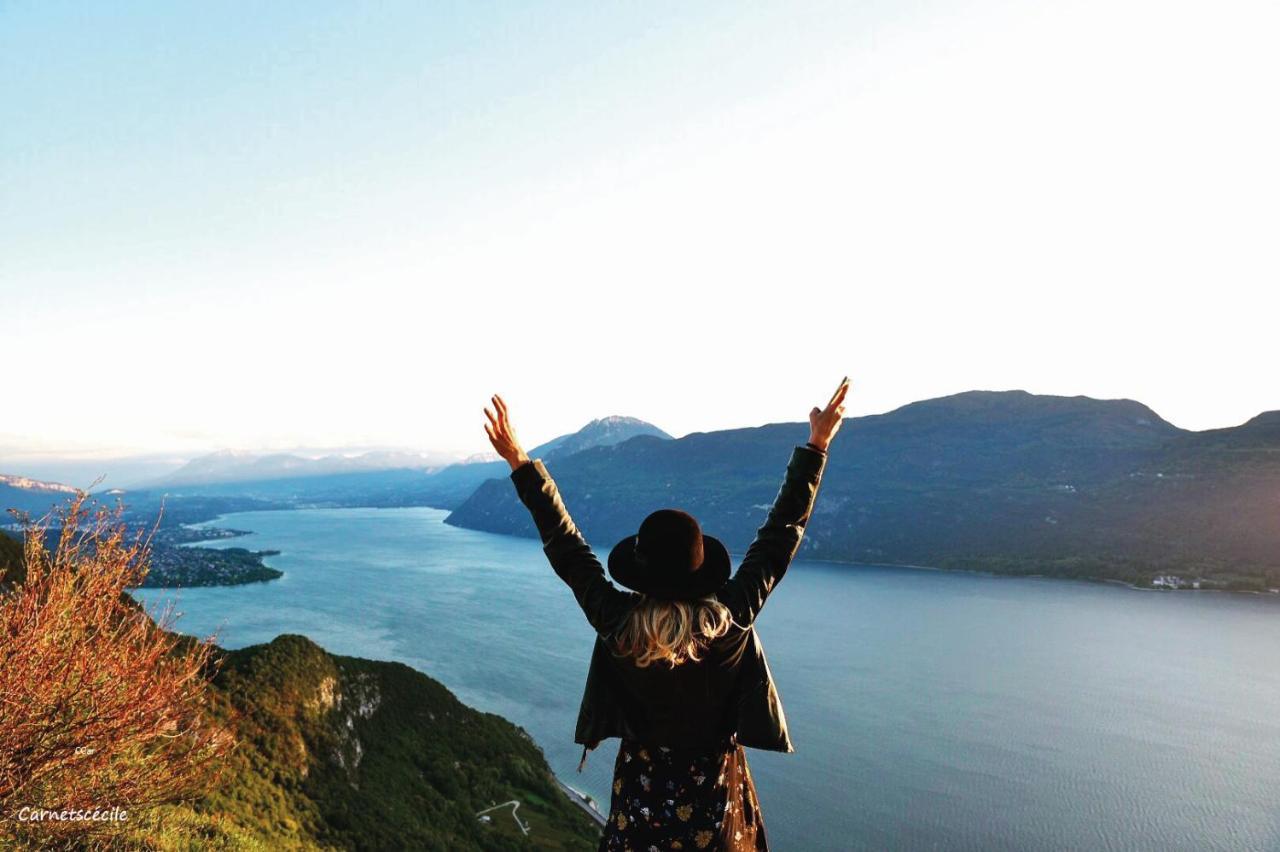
{"x":502,"y":435}
{"x":825,"y":422}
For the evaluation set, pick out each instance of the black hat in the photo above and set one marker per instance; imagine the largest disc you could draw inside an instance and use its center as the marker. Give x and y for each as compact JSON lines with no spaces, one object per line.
{"x":670,"y":558}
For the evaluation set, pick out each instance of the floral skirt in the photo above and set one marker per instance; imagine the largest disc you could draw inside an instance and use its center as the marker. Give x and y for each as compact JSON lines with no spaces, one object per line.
{"x":666,"y":798}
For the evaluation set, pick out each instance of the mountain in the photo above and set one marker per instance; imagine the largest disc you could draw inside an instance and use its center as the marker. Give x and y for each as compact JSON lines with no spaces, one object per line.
{"x":345,"y":753}
{"x":232,"y":466}
{"x":450,"y":486}
{"x":995,"y":481}
{"x":84,"y":471}
{"x":444,"y":487}
{"x":30,"y":495}
{"x":604,"y":432}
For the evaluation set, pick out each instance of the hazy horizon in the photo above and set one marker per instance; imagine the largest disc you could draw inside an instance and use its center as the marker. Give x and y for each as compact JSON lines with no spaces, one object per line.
{"x":141,"y":467}
{"x":332,"y":225}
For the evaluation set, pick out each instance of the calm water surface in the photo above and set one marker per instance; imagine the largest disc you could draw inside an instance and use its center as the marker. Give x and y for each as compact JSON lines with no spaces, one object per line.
{"x":929,"y":710}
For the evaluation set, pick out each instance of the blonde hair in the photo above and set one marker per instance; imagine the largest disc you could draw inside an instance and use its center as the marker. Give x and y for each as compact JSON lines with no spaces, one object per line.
{"x":672,"y":632}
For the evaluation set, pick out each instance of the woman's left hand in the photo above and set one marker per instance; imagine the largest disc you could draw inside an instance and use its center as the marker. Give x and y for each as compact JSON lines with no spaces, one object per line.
{"x":503,"y":435}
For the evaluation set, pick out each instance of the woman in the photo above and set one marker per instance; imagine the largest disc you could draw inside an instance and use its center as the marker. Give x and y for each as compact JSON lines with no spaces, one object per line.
{"x":677,"y":671}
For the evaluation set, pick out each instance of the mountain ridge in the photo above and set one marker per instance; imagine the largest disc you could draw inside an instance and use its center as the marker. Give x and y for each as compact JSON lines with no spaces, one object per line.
{"x":987,"y":480}
{"x":26,"y":494}
{"x":443,"y":486}
{"x":228,"y":466}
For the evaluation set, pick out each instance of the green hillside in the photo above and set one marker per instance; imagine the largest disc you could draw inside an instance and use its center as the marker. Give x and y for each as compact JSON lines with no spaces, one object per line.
{"x":345,"y":753}
{"x":11,"y":569}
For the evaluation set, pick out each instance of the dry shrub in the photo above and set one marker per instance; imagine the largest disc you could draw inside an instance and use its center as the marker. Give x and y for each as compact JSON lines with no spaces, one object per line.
{"x":101,"y":706}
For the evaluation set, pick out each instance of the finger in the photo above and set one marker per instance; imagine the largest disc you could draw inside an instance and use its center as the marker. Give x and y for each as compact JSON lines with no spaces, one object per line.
{"x":842,"y":392}
{"x":489,"y":431}
{"x":492,"y":419}
{"x":501,"y":403}
{"x":844,"y":386}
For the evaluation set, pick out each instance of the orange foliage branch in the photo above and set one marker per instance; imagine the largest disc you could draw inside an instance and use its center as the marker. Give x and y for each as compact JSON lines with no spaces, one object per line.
{"x":101,"y":706}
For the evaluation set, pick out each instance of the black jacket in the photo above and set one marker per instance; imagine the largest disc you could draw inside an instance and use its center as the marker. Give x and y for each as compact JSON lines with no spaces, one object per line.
{"x":730,"y":690}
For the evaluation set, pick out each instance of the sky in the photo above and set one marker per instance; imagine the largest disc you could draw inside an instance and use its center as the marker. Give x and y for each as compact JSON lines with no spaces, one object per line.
{"x":265,"y":226}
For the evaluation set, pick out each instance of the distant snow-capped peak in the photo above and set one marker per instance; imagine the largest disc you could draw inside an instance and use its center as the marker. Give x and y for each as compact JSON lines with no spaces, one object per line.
{"x":29,"y":484}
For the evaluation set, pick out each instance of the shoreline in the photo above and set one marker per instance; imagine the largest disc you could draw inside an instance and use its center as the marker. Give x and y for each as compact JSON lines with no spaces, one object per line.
{"x":582,"y":800}
{"x":1029,"y":575}
{"x":180,"y":560}
{"x":737,"y":555}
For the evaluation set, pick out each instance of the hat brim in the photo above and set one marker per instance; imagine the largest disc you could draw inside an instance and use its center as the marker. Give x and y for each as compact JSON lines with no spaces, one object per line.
{"x":710,"y":576}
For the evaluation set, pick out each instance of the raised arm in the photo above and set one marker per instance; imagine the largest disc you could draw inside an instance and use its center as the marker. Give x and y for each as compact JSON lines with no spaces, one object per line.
{"x":570,"y":556}
{"x":777,"y":541}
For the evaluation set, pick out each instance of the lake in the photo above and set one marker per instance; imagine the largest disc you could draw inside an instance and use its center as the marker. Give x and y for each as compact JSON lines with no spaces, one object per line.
{"x":929,"y":710}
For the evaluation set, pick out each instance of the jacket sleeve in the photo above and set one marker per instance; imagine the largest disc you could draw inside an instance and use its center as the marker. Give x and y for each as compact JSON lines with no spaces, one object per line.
{"x":571,"y":558}
{"x":778,"y":540}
